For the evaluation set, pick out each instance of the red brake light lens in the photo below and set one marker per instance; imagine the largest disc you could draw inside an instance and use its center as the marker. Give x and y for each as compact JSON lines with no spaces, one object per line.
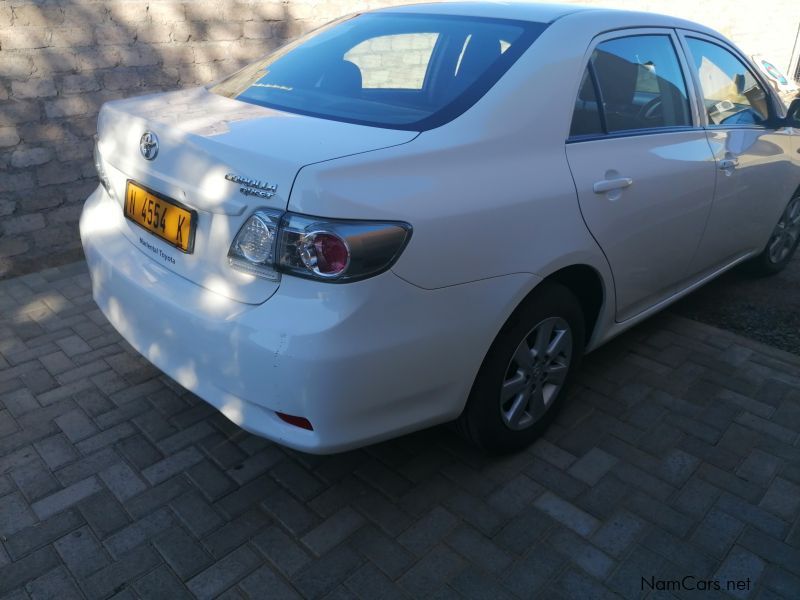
{"x":324,"y":253}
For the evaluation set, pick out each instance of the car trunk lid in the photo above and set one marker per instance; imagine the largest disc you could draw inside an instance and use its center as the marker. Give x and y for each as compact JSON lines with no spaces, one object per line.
{"x":223,"y":159}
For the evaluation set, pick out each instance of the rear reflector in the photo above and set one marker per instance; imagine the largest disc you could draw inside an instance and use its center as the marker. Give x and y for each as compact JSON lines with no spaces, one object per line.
{"x":300,"y":422}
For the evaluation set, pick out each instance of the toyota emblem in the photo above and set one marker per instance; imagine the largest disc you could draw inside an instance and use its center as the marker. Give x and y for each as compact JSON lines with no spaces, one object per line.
{"x":148,"y":145}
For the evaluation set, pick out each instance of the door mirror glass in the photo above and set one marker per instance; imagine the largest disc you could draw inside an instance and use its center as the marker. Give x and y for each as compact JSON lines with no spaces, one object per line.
{"x":793,"y":114}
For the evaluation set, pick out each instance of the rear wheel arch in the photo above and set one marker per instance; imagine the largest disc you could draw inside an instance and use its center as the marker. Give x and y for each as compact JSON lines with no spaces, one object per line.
{"x":587,"y":285}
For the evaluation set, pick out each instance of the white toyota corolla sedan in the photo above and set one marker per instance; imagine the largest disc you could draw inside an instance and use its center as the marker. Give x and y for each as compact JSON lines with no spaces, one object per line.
{"x":430,"y":213}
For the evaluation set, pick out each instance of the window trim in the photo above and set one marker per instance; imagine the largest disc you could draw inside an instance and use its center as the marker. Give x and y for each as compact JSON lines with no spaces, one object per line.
{"x":684,"y":35}
{"x":688,"y":80}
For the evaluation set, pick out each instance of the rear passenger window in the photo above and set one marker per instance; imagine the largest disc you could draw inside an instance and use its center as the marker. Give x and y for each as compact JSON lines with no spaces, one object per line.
{"x":586,"y":118}
{"x":640,"y":83}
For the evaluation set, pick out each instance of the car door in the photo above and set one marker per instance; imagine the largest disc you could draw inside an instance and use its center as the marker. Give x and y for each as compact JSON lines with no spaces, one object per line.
{"x":642,"y":166}
{"x":752,"y":155}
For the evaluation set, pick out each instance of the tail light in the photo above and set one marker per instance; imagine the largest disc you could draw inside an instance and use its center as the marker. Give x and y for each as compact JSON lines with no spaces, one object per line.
{"x":271,"y":242}
{"x":100,"y":169}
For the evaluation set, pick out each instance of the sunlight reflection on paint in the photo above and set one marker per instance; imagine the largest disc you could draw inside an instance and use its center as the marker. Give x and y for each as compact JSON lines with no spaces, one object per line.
{"x":217,"y":292}
{"x":187,"y":375}
{"x":232,"y":408}
{"x":101,"y":217}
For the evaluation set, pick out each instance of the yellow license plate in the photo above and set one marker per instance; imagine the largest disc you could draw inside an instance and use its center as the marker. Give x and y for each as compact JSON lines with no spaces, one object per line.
{"x":165,"y":218}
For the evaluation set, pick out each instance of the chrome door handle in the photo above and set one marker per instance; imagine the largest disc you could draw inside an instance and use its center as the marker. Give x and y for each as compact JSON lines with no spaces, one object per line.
{"x":727,"y":164}
{"x":607,"y":185}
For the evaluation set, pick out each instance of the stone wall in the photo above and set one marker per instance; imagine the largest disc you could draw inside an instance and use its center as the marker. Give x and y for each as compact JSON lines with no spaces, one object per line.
{"x":61,"y":59}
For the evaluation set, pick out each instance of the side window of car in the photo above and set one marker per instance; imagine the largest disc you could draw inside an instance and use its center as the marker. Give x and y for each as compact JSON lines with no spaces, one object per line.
{"x":731,"y":94}
{"x":640,"y":83}
{"x":586,"y":119}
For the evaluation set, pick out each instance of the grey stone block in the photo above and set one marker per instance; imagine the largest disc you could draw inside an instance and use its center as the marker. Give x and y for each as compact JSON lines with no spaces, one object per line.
{"x":428,"y":531}
{"x":782,"y":499}
{"x":172,"y":465}
{"x":122,"y":481}
{"x":741,"y":569}
{"x":566,"y":513}
{"x":333,"y":531}
{"x":15,"y":514}
{"x":182,"y":552}
{"x":38,"y":535}
{"x":81,"y":552}
{"x":282,"y":551}
{"x":591,"y":467}
{"x":223,"y":574}
{"x":263,"y":579}
{"x":66,"y":497}
{"x":160,"y":583}
{"x":582,"y":553}
{"x":27,"y":569}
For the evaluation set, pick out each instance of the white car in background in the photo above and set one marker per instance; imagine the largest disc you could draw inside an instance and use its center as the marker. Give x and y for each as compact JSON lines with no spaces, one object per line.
{"x":429,"y":213}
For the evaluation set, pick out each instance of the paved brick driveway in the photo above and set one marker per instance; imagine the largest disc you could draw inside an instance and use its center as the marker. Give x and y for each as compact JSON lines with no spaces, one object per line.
{"x":677,"y":455}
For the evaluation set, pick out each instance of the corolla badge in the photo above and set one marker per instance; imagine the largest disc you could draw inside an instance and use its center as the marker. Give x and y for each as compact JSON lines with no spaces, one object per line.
{"x":253,"y":187}
{"x":148,"y":145}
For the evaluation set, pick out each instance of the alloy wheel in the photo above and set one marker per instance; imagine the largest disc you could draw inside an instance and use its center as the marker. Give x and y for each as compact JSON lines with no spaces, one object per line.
{"x":786,"y":233}
{"x":536,"y":373}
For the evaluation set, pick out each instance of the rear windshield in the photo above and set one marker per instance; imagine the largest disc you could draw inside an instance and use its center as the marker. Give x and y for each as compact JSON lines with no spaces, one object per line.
{"x":401,"y":71}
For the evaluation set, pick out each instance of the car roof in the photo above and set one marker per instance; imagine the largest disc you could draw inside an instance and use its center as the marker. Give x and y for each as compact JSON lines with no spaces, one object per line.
{"x":522,"y":11}
{"x":548,"y":13}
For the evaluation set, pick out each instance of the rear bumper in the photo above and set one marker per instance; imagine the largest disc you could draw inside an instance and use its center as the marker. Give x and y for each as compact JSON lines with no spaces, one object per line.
{"x":362,"y":362}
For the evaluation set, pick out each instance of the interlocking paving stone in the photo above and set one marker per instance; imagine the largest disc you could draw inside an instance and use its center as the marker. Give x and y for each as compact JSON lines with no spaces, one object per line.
{"x":56,"y":451}
{"x":332,"y":531}
{"x":181,"y":552}
{"x":283,"y":552}
{"x":27,"y":569}
{"x":117,"y":575}
{"x":676,"y":454}
{"x":172,"y":465}
{"x":81,"y":552}
{"x":740,"y":565}
{"x":782,"y":499}
{"x":15,"y":514}
{"x":567,"y":514}
{"x":138,"y":532}
{"x":264,"y":581}
{"x":236,"y":532}
{"x":66,"y":497}
{"x":103,"y":514}
{"x":717,"y":533}
{"x":432,"y":572}
{"x":160,"y":583}
{"x":41,"y":534}
{"x":478,"y":549}
{"x":54,"y":584}
{"x":590,"y":559}
{"x":428,"y":531}
{"x":618,"y":533}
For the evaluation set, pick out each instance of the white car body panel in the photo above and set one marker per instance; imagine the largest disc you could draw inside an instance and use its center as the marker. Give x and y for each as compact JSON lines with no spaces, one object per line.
{"x":202,"y":138}
{"x":498,"y":202}
{"x":325,"y":352}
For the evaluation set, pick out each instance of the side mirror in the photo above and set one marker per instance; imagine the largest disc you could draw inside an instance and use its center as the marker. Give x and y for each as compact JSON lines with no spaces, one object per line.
{"x":793,"y":114}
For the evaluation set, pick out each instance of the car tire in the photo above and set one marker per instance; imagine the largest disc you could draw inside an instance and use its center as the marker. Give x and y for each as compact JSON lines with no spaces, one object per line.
{"x":512,"y":403}
{"x":782,"y":243}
